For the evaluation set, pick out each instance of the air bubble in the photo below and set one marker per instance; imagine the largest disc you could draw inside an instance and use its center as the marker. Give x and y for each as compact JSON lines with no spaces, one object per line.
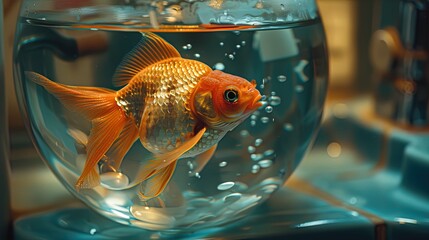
{"x":221,"y":44}
{"x":232,"y":197}
{"x":268,"y":109}
{"x":256,"y":156}
{"x":252,"y":123}
{"x":265,"y":119}
{"x":244,"y":133}
{"x":190,"y":165}
{"x":269,"y":188}
{"x":225,"y":186}
{"x":299,"y":88}
{"x":231,"y":56}
{"x":269,"y":152}
{"x":265,"y":163}
{"x":266,"y":79}
{"x":197,"y":175}
{"x":243,"y":43}
{"x":114,"y":180}
{"x":255,"y":169}
{"x":258,"y":142}
{"x":274,"y":100}
{"x":219,"y":66}
{"x":238,"y":46}
{"x":187,"y":46}
{"x":197,"y":55}
{"x":281,"y":78}
{"x":223,"y":164}
{"x":251,"y":149}
{"x":288,"y":127}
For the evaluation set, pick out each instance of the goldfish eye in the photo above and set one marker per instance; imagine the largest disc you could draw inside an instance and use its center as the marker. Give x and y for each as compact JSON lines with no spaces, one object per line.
{"x":231,"y":95}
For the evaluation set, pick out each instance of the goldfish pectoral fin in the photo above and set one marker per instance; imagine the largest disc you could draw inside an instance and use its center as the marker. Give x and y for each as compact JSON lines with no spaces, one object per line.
{"x":166,"y":158}
{"x":91,"y":180}
{"x":122,"y":145}
{"x":151,"y":49}
{"x":204,"y":158}
{"x":156,"y":184}
{"x":103,"y":134}
{"x":163,"y":160}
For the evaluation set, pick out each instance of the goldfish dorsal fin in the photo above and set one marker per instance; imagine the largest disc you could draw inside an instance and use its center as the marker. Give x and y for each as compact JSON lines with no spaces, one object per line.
{"x":151,"y":49}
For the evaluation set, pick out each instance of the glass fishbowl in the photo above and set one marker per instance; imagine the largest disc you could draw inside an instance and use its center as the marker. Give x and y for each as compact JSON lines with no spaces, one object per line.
{"x":167,"y":156}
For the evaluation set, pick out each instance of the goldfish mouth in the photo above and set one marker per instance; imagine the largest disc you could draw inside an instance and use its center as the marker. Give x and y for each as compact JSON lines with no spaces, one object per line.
{"x":256,"y":103}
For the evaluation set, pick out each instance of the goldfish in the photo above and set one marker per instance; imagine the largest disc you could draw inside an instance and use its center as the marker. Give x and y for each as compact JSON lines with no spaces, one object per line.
{"x":176,"y":107}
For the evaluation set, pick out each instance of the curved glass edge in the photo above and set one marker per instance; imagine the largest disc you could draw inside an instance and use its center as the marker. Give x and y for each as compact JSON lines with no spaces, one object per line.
{"x":5,"y":214}
{"x":158,"y":14}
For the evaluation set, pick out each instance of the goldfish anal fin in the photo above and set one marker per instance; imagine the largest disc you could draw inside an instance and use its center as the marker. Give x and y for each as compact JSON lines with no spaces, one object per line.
{"x":156,"y":184}
{"x":151,"y":49}
{"x":204,"y":158}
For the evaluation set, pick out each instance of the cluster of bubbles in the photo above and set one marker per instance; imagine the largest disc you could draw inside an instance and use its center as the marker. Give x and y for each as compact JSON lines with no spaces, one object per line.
{"x":189,"y":47}
{"x":262,"y":159}
{"x":231,"y":55}
{"x":270,"y":102}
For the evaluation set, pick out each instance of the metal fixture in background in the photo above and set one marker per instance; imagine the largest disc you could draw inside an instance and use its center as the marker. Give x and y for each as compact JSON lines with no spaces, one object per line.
{"x":400,"y":57}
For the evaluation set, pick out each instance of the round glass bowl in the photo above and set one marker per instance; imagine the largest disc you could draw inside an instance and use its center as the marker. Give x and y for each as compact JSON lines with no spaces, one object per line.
{"x":279,"y":44}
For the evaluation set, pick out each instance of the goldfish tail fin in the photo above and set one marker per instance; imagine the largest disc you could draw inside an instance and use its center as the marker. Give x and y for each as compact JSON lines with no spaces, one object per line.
{"x":92,"y":179}
{"x":93,"y":102}
{"x":99,"y":106}
{"x":105,"y":130}
{"x":122,"y":145}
